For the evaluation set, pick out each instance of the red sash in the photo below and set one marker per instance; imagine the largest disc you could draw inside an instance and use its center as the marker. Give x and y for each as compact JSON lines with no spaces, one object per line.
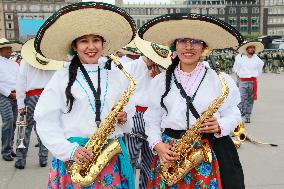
{"x":34,"y":92}
{"x":141,"y":109}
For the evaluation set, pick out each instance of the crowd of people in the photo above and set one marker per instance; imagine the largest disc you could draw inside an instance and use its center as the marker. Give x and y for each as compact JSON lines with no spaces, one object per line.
{"x":67,"y":85}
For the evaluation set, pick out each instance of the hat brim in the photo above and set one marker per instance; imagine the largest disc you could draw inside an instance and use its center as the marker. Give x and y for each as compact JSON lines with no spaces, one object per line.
{"x":159,"y":54}
{"x":259,"y":47}
{"x":15,"y":46}
{"x":36,"y":60}
{"x":216,"y":33}
{"x":68,"y":23}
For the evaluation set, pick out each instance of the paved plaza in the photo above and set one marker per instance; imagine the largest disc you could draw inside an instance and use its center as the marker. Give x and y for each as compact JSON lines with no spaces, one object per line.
{"x":263,"y":165}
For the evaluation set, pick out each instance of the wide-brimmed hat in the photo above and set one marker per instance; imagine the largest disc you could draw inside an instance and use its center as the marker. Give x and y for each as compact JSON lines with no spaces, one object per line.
{"x":36,"y":60}
{"x":159,"y":54}
{"x":257,"y":44}
{"x":55,"y":36}
{"x":16,"y":45}
{"x":165,"y":29}
{"x":130,"y":48}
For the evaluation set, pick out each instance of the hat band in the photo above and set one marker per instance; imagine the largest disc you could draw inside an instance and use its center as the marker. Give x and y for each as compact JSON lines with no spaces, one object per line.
{"x":39,"y":60}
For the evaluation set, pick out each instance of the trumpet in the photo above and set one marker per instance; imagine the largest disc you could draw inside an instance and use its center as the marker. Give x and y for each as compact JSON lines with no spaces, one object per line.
{"x":21,"y":124}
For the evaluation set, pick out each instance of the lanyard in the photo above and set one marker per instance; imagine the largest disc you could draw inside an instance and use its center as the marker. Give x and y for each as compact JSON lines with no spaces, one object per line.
{"x":96,"y":94}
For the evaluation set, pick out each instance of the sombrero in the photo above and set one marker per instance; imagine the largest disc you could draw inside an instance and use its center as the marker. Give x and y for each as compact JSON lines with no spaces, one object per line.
{"x":36,"y":60}
{"x":258,"y":46}
{"x":130,"y":48}
{"x":55,"y":36}
{"x":165,"y":29}
{"x":159,"y":54}
{"x":16,"y":45}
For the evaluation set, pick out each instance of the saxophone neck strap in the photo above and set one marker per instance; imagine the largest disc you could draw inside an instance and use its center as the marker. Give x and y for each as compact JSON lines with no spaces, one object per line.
{"x":96,"y":93}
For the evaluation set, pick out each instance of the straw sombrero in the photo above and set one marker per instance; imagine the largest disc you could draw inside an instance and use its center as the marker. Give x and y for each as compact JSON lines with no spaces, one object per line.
{"x":259,"y":47}
{"x":16,"y":45}
{"x":36,"y":60}
{"x":159,"y":54}
{"x":130,"y":48}
{"x":115,"y":25}
{"x":165,"y":29}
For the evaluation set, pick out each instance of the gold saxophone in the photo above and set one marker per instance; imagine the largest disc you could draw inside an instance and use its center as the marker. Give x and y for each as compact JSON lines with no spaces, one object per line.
{"x":189,"y":155}
{"x":84,"y":174}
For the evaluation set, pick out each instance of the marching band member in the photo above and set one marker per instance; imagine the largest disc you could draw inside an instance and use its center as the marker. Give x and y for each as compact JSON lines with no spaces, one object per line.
{"x":184,"y":92}
{"x":34,"y":74}
{"x":153,"y":58}
{"x":248,"y":66}
{"x":8,"y":103}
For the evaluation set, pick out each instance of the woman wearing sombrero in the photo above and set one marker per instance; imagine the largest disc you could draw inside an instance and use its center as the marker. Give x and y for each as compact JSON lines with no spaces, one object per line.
{"x":78,"y":98}
{"x":179,"y":98}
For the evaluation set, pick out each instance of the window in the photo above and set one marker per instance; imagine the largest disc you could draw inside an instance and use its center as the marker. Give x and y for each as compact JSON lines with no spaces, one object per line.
{"x":213,"y":11}
{"x":204,"y":11}
{"x":254,"y":21}
{"x":255,"y":10}
{"x":244,"y":20}
{"x":196,"y":11}
{"x":221,"y":11}
{"x":232,"y":10}
{"x":255,"y":29}
{"x":244,"y":10}
{"x":233,"y":21}
{"x":244,"y":29}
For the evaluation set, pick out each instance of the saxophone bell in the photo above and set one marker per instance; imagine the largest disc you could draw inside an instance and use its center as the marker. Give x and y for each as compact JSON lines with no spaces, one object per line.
{"x":21,"y":124}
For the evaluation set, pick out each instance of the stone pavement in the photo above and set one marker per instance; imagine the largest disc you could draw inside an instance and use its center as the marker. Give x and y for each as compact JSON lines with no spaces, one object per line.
{"x":263,"y":165}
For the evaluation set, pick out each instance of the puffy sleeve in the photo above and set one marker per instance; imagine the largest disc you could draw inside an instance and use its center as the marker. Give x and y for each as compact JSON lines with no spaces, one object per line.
{"x":153,"y":115}
{"x":48,"y":112}
{"x":22,"y":84}
{"x":230,"y":115}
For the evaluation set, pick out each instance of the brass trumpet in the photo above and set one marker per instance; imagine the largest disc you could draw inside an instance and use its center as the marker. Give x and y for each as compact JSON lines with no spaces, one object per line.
{"x":21,"y":124}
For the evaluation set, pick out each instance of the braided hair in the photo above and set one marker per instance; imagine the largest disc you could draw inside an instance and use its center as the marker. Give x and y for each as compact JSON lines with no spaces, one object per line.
{"x":169,"y":74}
{"x":72,"y":77}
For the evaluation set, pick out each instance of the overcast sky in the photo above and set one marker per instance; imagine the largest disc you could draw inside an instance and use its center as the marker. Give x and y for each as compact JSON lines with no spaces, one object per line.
{"x":134,"y":1}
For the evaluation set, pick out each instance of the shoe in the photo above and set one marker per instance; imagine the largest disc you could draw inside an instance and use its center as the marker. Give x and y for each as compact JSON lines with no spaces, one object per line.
{"x":43,"y":164}
{"x":8,"y":157}
{"x":13,"y":154}
{"x":247,"y":120}
{"x":19,"y":166}
{"x":37,"y":145}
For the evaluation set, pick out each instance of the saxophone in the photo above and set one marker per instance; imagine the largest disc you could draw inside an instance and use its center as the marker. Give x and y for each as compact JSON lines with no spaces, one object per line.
{"x":84,"y":174}
{"x":191,"y":156}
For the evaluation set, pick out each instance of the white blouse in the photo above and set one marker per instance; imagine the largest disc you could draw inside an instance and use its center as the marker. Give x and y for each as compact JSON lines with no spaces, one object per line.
{"x":55,"y":125}
{"x":157,"y":119}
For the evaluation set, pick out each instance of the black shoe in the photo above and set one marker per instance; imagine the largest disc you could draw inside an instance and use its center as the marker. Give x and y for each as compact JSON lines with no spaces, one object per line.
{"x":247,"y":120}
{"x":13,"y":154}
{"x":19,"y":166}
{"x":8,"y":157}
{"x":43,"y":164}
{"x":37,"y":145}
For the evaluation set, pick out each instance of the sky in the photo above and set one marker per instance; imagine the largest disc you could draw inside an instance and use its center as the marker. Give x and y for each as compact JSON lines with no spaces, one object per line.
{"x":29,"y":27}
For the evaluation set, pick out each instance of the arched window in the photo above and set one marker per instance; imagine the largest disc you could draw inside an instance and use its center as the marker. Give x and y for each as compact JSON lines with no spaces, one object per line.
{"x":221,"y":11}
{"x":244,"y":10}
{"x":232,"y":10}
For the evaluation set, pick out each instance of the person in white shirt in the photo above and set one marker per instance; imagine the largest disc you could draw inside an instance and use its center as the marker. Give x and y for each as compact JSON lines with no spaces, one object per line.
{"x":248,"y":67}
{"x":183,"y":93}
{"x":34,"y":73}
{"x":81,"y":95}
{"x":8,"y":103}
{"x":154,"y":58}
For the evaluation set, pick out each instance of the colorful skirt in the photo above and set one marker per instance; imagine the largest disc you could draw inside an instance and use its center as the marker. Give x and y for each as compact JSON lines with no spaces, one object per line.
{"x":117,"y":174}
{"x":205,"y":175}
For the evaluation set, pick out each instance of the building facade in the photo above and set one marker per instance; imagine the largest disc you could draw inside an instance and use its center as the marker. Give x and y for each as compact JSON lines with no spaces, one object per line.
{"x":275,"y":13}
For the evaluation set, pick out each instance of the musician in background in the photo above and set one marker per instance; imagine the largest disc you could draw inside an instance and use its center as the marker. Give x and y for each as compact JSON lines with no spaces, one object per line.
{"x":154,"y":58}
{"x":76,"y":102}
{"x":182,"y":94}
{"x":35,"y":72}
{"x":248,"y":67}
{"x":8,"y":103}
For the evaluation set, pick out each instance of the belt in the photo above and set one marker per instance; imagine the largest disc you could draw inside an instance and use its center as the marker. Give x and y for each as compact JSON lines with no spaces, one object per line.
{"x":254,"y":85}
{"x":177,"y":134}
{"x":141,"y":109}
{"x":34,"y":92}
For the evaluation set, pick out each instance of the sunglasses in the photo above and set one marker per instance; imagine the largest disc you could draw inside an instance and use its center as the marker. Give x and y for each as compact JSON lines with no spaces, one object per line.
{"x":191,"y":42}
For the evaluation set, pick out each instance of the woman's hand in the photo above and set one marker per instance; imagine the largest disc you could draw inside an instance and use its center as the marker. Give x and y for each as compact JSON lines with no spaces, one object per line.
{"x":121,"y":117}
{"x":211,"y":125}
{"x":82,"y":155}
{"x":154,"y":71}
{"x":165,"y":153}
